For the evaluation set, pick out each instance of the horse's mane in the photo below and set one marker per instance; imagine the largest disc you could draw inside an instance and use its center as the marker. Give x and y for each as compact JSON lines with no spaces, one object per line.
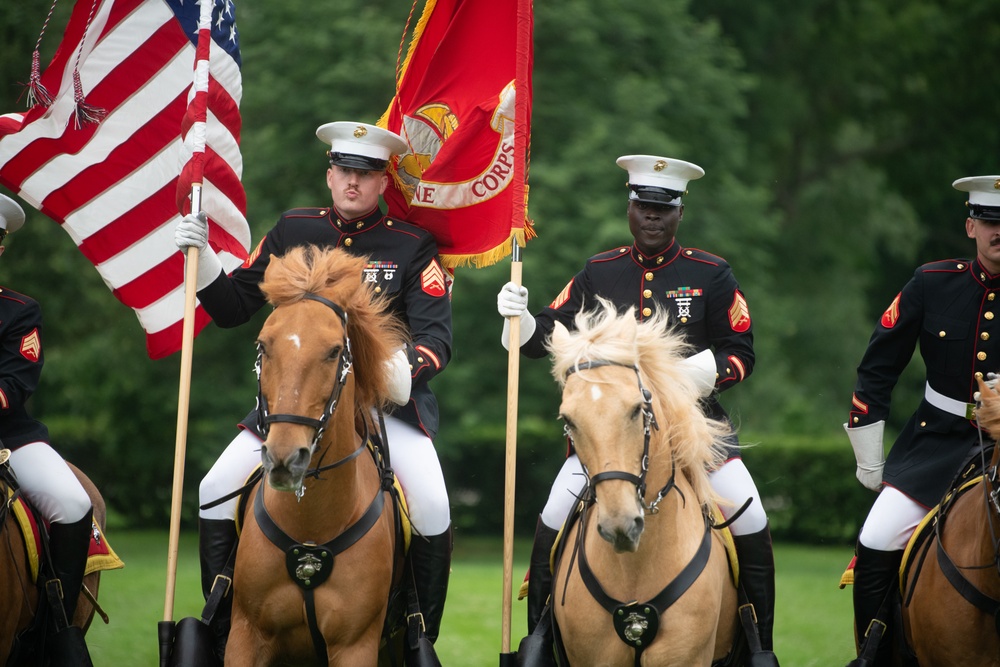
{"x":656,"y":349}
{"x":375,"y":332}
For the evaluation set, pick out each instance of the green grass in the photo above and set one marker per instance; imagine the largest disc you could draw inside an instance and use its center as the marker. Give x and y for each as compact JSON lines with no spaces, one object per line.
{"x":813,"y":624}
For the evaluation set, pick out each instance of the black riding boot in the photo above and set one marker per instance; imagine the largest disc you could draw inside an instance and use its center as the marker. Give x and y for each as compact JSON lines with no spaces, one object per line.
{"x":756,"y":560}
{"x":216,"y":542}
{"x":430,"y":558}
{"x":540,"y":572}
{"x":69,"y":544}
{"x":535,"y":650}
{"x":875,"y":573}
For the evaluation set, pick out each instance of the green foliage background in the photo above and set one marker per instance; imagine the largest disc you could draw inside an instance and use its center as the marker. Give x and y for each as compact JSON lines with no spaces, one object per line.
{"x":830,"y":133}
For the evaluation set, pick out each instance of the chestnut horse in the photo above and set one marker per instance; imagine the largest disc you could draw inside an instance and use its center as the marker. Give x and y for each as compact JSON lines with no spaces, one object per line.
{"x":953,"y":616}
{"x":316,"y":556}
{"x":642,"y":562}
{"x":21,"y":595}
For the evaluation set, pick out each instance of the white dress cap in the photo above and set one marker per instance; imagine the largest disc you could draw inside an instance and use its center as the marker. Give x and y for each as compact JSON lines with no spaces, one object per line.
{"x":984,"y":196}
{"x":11,"y":214}
{"x":359,"y":145}
{"x":658,"y":180}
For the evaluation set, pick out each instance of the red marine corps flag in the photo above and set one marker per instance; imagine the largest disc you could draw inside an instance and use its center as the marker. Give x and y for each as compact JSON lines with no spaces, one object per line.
{"x":102,"y":147}
{"x":464,"y":114}
{"x":463,"y":106}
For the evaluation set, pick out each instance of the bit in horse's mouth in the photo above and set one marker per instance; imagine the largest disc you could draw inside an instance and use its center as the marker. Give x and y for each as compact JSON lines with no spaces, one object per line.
{"x":282,"y":479}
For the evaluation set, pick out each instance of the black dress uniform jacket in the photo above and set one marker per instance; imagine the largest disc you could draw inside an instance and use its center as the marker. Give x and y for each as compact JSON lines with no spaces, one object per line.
{"x":20,"y":368}
{"x":952,"y":308}
{"x":403,"y":263}
{"x":698,"y":289}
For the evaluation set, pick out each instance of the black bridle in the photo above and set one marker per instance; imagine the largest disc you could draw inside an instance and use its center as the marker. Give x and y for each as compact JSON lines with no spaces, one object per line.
{"x":310,"y":564}
{"x":635,"y":622}
{"x":648,"y":426}
{"x":345,"y":364}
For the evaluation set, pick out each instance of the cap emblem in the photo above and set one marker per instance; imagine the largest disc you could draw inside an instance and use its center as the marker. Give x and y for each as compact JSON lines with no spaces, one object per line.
{"x":660,"y":165}
{"x":360,"y":131}
{"x":996,"y":184}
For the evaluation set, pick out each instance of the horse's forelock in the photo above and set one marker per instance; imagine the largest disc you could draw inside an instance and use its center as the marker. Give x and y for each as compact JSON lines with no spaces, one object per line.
{"x":336,"y":275}
{"x":311,"y":270}
{"x":656,"y":348}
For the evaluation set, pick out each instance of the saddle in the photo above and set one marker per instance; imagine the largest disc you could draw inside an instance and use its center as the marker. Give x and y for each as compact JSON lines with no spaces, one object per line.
{"x":101,"y":556}
{"x":971,"y":474}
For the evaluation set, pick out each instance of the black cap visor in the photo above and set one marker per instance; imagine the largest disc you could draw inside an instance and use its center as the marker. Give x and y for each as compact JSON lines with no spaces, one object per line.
{"x":362,"y":162}
{"x":653,"y":195}
{"x":991,"y":213}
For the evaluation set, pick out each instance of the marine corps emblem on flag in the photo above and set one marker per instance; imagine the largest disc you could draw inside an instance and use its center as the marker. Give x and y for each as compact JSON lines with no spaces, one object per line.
{"x":891,"y":314}
{"x":739,"y":314}
{"x":432,"y":279}
{"x":427,"y":131}
{"x":31,"y":346}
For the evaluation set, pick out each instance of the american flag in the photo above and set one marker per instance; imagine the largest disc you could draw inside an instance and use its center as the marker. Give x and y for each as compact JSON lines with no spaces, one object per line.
{"x":115,"y":185}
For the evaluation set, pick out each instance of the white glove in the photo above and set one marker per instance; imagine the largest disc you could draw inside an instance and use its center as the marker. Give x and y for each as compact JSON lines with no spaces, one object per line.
{"x":991,"y":382}
{"x":512,"y":301}
{"x":702,"y":369}
{"x":192,"y":232}
{"x":398,"y":368}
{"x":867,"y":444}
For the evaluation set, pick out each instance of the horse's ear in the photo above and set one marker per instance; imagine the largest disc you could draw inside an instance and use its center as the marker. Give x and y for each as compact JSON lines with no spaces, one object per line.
{"x":560,"y":335}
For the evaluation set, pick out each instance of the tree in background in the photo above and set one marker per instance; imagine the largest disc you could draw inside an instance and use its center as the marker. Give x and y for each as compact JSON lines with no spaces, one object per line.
{"x":830,"y":134}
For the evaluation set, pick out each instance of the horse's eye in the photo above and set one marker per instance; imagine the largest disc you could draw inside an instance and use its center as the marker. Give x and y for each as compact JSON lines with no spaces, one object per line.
{"x":567,"y":422}
{"x":636,"y":412}
{"x":261,"y":348}
{"x":334,"y":353}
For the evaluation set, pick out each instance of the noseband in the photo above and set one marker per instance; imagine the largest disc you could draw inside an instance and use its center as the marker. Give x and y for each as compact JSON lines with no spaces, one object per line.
{"x":648,"y":426}
{"x":265,"y":419}
{"x":636,"y":623}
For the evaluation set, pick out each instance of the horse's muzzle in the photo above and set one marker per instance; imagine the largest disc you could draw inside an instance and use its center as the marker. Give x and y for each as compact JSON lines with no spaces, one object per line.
{"x":623,"y":536}
{"x":285,"y":474}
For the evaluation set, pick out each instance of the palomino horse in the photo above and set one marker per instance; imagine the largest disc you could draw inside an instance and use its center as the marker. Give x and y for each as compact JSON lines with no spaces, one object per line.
{"x":642,"y":562}
{"x":21,"y":595}
{"x":315,"y":565}
{"x":953,"y":616}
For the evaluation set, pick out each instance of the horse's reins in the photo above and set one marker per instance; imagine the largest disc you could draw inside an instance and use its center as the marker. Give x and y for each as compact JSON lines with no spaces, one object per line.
{"x":309,"y":564}
{"x":636,"y":623}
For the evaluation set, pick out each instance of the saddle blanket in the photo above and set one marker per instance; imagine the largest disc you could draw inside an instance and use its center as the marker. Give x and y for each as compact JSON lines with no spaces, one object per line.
{"x":100,"y":557}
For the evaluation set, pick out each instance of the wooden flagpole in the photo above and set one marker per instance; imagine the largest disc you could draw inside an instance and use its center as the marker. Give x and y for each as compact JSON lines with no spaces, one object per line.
{"x":523,"y":52}
{"x":183,"y":405}
{"x":510,"y":461}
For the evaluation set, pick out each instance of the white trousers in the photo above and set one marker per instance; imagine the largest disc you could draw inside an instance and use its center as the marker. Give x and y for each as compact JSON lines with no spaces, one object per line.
{"x":411,"y":455}
{"x":891,"y":521}
{"x":732,"y":481}
{"x":47,"y":481}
